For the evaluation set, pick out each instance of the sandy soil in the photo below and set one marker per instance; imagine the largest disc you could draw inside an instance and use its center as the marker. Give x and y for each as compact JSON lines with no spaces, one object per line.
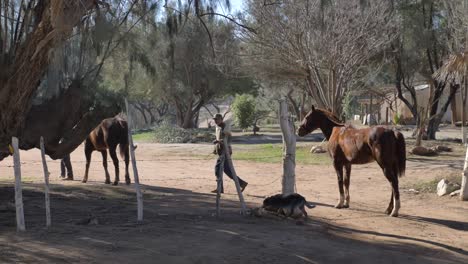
{"x":180,"y":226}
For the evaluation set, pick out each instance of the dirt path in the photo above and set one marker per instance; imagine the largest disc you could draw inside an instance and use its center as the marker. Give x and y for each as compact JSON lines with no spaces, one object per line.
{"x":180,"y":227}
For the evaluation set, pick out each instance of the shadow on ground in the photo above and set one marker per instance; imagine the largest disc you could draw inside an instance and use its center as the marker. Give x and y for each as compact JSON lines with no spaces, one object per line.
{"x":180,"y":227}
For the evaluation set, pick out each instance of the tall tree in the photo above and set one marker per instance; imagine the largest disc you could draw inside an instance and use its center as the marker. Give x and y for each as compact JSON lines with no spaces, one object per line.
{"x":327,"y":43}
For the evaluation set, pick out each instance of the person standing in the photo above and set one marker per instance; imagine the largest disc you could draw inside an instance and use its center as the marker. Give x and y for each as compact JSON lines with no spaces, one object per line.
{"x":223,"y":132}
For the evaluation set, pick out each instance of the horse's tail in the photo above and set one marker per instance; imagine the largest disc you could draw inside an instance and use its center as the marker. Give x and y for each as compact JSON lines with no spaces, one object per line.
{"x":400,"y":153}
{"x":123,"y":144}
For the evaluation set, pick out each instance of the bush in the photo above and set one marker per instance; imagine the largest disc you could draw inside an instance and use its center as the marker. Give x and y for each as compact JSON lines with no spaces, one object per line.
{"x":244,"y":110}
{"x":396,"y":119}
{"x":168,"y":133}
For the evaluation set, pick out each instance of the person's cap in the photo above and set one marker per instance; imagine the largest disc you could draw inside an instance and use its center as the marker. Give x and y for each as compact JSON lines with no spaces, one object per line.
{"x":218,"y":116}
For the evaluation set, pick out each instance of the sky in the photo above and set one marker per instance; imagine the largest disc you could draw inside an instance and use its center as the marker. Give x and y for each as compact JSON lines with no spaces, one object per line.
{"x":236,"y":5}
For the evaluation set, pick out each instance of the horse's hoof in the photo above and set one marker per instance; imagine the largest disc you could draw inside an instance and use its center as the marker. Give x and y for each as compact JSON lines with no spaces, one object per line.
{"x":338,"y":206}
{"x":394,"y":214}
{"x":107,"y":182}
{"x":388,"y":211}
{"x":346,"y":206}
{"x":83,"y":181}
{"x":115,"y":183}
{"x":127,"y":181}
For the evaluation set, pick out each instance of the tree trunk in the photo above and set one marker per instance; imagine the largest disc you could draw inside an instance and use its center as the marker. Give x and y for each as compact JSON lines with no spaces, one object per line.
{"x":31,"y":60}
{"x":140,"y":109}
{"x":289,"y":149}
{"x":63,"y":130}
{"x":453,"y":108}
{"x":464,"y":92}
{"x":436,"y":118}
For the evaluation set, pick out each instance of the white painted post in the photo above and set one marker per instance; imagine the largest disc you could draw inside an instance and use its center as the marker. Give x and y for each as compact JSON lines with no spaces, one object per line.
{"x":227,"y":158}
{"x":464,"y":184}
{"x":289,"y":149}
{"x":134,"y":166}
{"x":46,"y":181}
{"x":20,"y":225}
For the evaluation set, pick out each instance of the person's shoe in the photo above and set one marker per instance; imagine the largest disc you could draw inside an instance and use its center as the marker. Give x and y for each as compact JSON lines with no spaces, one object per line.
{"x":68,"y":178}
{"x":243,"y":185}
{"x":216,"y":191}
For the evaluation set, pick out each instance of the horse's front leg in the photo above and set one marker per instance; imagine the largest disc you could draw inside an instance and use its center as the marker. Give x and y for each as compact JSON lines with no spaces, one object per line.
{"x":339,"y":173}
{"x":116,"y":164}
{"x":104,"y":164}
{"x":346,"y":182}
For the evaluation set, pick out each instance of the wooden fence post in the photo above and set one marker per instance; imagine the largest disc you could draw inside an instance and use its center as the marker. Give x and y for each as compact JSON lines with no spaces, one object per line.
{"x":464,"y":183}
{"x":135,"y":170}
{"x":289,"y":149}
{"x":20,"y":225}
{"x":46,"y":181}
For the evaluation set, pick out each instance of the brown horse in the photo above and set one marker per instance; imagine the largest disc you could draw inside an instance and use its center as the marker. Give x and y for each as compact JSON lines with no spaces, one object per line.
{"x":348,"y":145}
{"x":110,"y":133}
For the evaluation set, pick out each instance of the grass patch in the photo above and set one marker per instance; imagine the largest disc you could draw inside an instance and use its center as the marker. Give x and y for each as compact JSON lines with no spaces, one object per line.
{"x":273,"y":153}
{"x":431,"y":186}
{"x":144,"y":137}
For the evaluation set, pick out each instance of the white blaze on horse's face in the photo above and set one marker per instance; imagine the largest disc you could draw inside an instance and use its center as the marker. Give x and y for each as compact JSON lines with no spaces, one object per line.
{"x":308,"y":124}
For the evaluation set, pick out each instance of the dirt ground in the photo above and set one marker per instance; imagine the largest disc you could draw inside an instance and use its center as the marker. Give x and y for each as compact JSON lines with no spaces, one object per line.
{"x":180,"y":226}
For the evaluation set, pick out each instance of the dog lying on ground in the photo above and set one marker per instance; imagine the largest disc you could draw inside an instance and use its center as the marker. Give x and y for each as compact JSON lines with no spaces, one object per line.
{"x":292,"y":205}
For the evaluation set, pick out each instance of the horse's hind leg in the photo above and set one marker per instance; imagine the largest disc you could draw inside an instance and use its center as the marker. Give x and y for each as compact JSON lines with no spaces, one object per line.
{"x":346,"y":182}
{"x":88,"y":151}
{"x":394,"y":204}
{"x":339,"y":173}
{"x":104,"y":164}
{"x":390,"y":205}
{"x":127,"y":161}
{"x":116,"y":163}
{"x":396,"y":195}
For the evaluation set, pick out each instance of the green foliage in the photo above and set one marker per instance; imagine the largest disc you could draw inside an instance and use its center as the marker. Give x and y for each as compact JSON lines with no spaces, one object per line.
{"x":396,"y":119}
{"x":349,"y":106}
{"x":244,"y":110}
{"x":168,"y":133}
{"x":273,"y":153}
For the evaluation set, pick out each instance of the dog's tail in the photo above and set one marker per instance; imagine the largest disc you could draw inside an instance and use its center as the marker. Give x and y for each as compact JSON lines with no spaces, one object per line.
{"x":309,"y":205}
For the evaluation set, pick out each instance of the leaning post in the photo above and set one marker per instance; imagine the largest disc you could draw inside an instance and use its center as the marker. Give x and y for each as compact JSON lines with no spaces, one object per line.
{"x":289,"y":149}
{"x":20,"y":225}
{"x":46,"y":183}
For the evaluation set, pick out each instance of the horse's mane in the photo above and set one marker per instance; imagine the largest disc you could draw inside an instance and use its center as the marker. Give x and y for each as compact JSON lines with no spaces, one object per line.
{"x":330,"y":115}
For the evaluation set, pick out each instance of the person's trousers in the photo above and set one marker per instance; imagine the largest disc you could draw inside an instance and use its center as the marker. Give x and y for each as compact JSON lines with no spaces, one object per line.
{"x":227,"y":170}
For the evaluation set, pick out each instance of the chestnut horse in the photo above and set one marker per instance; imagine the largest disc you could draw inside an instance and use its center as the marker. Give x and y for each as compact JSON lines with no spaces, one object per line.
{"x":348,"y":145}
{"x":110,"y":133}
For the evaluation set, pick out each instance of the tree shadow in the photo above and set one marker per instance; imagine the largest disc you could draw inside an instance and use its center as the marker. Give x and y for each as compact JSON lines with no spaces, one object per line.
{"x":346,"y":230}
{"x":276,"y":139}
{"x":180,"y":226}
{"x":419,"y":162}
{"x":457,"y":225}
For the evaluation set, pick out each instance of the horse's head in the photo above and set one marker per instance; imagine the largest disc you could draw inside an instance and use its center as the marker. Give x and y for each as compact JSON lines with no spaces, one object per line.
{"x":310,"y":122}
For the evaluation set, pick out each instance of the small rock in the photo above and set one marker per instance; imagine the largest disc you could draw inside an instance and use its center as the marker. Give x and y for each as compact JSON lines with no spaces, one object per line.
{"x":422,"y":151}
{"x":256,"y":212}
{"x":8,"y":207}
{"x":317,"y":150}
{"x":299,"y":222}
{"x":94,"y":221}
{"x":455,"y":193}
{"x":413,"y":191}
{"x":88,"y":221}
{"x":444,"y":187}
